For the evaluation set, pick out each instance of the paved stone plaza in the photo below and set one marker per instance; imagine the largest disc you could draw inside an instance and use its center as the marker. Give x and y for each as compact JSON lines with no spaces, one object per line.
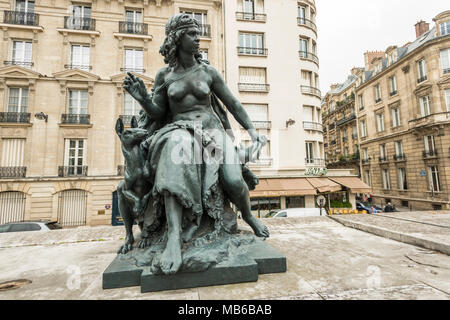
{"x":326,"y":260}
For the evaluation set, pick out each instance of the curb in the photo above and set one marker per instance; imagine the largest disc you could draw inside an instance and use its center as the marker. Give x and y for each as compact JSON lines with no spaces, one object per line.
{"x":397,"y":236}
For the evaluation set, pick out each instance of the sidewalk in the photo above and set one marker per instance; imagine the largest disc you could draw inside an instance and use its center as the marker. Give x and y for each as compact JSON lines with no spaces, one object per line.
{"x":325,"y":260}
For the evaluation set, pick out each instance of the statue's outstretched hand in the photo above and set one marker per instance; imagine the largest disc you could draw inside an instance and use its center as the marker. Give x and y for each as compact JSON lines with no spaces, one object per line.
{"x":135,"y":87}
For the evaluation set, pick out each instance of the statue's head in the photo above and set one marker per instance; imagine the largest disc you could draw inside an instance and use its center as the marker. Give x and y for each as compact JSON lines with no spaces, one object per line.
{"x":182,"y":33}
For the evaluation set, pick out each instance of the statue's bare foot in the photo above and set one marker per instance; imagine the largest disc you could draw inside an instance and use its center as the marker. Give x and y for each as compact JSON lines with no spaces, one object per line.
{"x":170,"y":261}
{"x":127,"y":246}
{"x":259,"y":229}
{"x":188,"y":233}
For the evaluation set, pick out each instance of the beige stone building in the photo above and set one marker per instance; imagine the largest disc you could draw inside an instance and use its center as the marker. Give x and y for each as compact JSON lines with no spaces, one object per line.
{"x":403,"y":111}
{"x":61,"y":94}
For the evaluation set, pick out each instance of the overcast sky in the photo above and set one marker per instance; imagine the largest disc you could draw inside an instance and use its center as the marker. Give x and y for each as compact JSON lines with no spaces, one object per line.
{"x":348,"y":28}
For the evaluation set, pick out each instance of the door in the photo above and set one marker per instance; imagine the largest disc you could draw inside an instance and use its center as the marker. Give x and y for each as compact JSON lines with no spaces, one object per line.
{"x":12,"y":207}
{"x":72,"y":206}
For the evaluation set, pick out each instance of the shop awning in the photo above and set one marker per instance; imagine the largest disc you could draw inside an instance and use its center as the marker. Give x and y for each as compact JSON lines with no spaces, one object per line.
{"x":354,"y":184}
{"x":324,"y":185}
{"x":283,"y":188}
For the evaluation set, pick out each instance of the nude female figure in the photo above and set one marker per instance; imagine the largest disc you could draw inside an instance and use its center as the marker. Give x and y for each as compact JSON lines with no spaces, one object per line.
{"x":188,"y":99}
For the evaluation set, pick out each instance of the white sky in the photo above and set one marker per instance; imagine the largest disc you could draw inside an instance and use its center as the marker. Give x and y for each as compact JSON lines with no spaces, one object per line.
{"x":348,"y":28}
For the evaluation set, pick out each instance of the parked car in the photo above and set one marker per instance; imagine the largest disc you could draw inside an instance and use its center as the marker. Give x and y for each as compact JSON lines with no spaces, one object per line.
{"x":300,"y":212}
{"x":29,"y":226}
{"x":362,"y":207}
{"x":271,"y":214}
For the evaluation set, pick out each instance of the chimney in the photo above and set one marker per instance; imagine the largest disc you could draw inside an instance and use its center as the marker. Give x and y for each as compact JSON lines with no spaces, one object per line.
{"x":370,"y":55}
{"x":421,"y":28}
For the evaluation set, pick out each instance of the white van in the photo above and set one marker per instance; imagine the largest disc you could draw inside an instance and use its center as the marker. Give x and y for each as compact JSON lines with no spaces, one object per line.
{"x":300,"y":212}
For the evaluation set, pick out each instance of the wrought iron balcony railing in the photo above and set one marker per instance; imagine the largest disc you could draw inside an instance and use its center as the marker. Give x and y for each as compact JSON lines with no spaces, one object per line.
{"x":311,"y":90}
{"x":26,"y":64}
{"x":346,"y":120}
{"x":314,"y":162}
{"x":78,"y":66}
{"x":72,"y":171}
{"x":205,"y":30}
{"x":399,"y":157}
{"x":20,"y":17}
{"x":306,"y":22}
{"x":430,"y":154}
{"x":308,"y":56}
{"x":13,"y":172}
{"x":128,"y":69}
{"x":422,"y":79}
{"x":251,"y":16}
{"x":69,"y":118}
{"x":314,"y":126}
{"x":262,"y":124}
{"x":78,"y":23}
{"x":252,"y":51}
{"x":133,"y":27}
{"x":14,"y":117}
{"x":254,"y":87}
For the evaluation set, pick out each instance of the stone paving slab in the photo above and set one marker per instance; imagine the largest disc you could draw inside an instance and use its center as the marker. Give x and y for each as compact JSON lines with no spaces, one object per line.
{"x":325,"y":260}
{"x":423,"y":229}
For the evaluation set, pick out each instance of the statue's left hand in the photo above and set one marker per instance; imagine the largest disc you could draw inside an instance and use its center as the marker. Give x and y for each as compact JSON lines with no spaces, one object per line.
{"x":135,"y":87}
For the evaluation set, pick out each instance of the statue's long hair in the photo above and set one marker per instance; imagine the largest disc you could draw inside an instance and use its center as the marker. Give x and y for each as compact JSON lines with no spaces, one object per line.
{"x":169,"y":49}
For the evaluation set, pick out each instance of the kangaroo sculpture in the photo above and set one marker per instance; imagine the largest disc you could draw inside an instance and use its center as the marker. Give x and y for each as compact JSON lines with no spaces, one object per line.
{"x":134,"y":191}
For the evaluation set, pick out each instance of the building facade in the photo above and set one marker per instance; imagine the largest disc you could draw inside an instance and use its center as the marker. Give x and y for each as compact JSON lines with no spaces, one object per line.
{"x":403,"y":114}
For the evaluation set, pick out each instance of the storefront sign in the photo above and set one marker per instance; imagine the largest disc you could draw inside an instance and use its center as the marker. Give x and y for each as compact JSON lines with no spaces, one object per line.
{"x":316,"y":172}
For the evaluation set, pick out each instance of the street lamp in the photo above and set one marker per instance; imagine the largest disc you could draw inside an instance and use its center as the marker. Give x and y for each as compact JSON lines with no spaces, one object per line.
{"x":41,"y":116}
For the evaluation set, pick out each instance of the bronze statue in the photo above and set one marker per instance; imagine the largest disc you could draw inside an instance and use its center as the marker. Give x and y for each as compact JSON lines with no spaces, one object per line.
{"x":188,"y":131}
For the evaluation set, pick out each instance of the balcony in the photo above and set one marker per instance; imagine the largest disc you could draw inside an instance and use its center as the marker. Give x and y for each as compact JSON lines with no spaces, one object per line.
{"x":314,"y":126}
{"x":69,"y":118}
{"x":254,"y":87}
{"x":14,"y":117}
{"x":309,"y":56}
{"x":250,"y":16}
{"x":121,"y":170}
{"x":13,"y":172}
{"x":325,"y":145}
{"x":78,"y":23}
{"x":393,"y":93}
{"x":430,"y":154}
{"x":133,"y":27}
{"x":72,"y":171}
{"x":315,"y":162}
{"x":252,"y":51}
{"x":78,"y":66}
{"x":422,"y":79}
{"x":378,"y":100}
{"x":25,"y":64}
{"x":262,"y":124}
{"x":205,"y":30}
{"x":311,"y":91}
{"x":346,"y":120}
{"x":399,"y":157}
{"x":384,"y":159}
{"x":130,"y":69}
{"x":307,"y":22}
{"x":366,"y":161}
{"x":22,"y":18}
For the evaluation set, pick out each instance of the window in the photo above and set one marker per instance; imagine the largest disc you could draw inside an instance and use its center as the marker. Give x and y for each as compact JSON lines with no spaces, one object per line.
{"x":134,"y":60}
{"x":429,"y":145}
{"x":131,"y":106}
{"x":363,"y":128}
{"x":367,"y":178}
{"x":257,"y":112}
{"x":424,"y":103}
{"x":204,"y":53}
{"x":251,"y":43}
{"x":447,"y":99}
{"x":366,"y":154}
{"x":393,"y":85}
{"x":249,"y":6}
{"x":445,"y":28}
{"x":422,"y":70}
{"x":22,"y":53}
{"x":74,"y":156}
{"x":445,"y":60}
{"x":25,"y":5}
{"x":346,"y":152}
{"x":301,"y":13}
{"x":18,"y":100}
{"x":252,"y":75}
{"x":434,"y":182}
{"x":309,"y":152}
{"x":380,"y":122}
{"x":377,"y":93}
{"x":201,"y":17}
{"x":402,"y":183}
{"x":79,"y":57}
{"x":304,"y":48}
{"x":396,"y":117}
{"x":81,"y":17}
{"x":133,"y":16}
{"x":361,"y":102}
{"x":383,"y":155}
{"x":79,"y":11}
{"x":13,"y":152}
{"x":386,"y":179}
{"x":398,"y":148}
{"x":78,"y":102}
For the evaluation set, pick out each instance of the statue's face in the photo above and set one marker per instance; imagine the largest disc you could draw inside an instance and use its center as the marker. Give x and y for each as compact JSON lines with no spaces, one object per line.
{"x":190,"y":42}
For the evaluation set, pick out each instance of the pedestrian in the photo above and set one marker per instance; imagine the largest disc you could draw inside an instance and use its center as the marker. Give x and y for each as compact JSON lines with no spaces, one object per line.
{"x":372,"y":210}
